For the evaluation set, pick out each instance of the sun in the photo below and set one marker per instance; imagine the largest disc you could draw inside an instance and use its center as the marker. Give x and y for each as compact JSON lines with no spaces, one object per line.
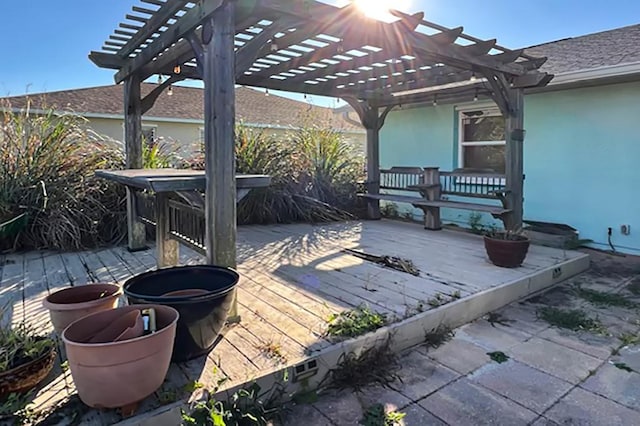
{"x":379,"y":9}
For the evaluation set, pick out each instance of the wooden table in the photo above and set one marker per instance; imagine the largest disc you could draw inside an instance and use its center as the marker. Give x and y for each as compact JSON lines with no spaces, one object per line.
{"x":163,"y":182}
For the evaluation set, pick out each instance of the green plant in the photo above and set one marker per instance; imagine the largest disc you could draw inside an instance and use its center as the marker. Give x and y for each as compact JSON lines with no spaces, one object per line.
{"x":475,"y":223}
{"x":376,"y":415}
{"x":355,"y":322}
{"x":375,"y":365}
{"x":629,"y":339}
{"x":47,"y":163}
{"x":15,"y":406}
{"x":20,"y":345}
{"x":574,"y":319}
{"x":160,"y":154}
{"x":498,"y":356}
{"x":438,"y":336}
{"x":600,"y":298}
{"x":389,"y":210}
{"x":507,"y":234}
{"x":245,"y":407}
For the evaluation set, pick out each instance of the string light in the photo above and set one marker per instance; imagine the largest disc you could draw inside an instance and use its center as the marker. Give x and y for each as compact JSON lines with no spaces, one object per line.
{"x":475,"y":96}
{"x":159,"y":79}
{"x":266,"y":92}
{"x":274,"y":47}
{"x":305,"y":96}
{"x":170,"y":92}
{"x":340,"y":48}
{"x":473,"y":76}
{"x":177,"y":69}
{"x":435,"y":100}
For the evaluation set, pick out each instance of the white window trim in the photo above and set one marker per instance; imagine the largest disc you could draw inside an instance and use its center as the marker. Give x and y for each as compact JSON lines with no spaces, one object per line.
{"x":493,"y":112}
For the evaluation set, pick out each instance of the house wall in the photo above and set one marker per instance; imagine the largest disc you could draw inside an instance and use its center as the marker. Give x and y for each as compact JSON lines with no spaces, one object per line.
{"x":582,"y":152}
{"x":188,"y":134}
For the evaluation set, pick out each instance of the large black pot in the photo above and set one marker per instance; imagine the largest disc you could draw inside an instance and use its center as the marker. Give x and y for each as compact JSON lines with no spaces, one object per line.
{"x":203,"y":296}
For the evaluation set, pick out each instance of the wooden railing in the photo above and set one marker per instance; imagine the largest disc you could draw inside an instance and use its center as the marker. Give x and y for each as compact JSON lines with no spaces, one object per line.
{"x":400,"y":178}
{"x":475,"y":184}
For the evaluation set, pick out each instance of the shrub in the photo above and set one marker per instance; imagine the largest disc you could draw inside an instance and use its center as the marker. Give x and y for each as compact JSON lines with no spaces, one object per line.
{"x":47,"y":162}
{"x":314,"y":174}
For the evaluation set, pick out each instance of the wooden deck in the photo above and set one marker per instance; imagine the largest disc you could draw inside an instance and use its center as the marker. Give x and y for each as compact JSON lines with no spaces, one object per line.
{"x":293,"y":278}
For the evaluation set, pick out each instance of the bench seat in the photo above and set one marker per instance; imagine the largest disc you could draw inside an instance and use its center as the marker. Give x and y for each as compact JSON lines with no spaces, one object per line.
{"x":421,"y":202}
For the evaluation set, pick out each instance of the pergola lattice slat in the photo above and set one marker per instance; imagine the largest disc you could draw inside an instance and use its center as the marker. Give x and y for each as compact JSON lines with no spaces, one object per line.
{"x":308,"y":47}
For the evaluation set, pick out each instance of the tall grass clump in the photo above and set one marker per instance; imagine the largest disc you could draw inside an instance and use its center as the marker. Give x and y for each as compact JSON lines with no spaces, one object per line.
{"x":313,"y":171}
{"x":47,"y":162}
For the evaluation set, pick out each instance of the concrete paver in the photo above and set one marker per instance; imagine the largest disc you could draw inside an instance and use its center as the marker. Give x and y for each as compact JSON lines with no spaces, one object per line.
{"x":584,"y":408}
{"x":555,"y":359}
{"x":464,"y":403}
{"x":523,"y":384}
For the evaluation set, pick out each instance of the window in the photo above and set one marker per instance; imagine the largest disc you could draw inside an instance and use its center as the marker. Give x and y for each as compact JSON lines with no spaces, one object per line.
{"x":482,"y":140}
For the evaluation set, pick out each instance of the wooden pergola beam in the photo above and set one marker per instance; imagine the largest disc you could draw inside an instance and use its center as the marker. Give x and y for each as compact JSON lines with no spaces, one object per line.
{"x":187,"y":23}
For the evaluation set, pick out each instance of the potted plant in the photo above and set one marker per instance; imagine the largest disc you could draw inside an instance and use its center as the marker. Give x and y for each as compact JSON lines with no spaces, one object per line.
{"x":25,"y":359}
{"x":506,"y":248}
{"x":70,"y":304}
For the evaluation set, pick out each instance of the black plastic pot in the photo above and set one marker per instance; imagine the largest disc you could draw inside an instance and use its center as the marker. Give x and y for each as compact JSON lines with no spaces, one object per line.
{"x":205,"y":297}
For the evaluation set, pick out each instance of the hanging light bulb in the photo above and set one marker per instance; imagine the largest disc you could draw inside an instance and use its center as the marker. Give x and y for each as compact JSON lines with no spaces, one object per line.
{"x":159,"y":79}
{"x":435,"y":100}
{"x":177,"y":69}
{"x":170,"y":91}
{"x":266,"y":92}
{"x":473,"y":76}
{"x":274,"y":47}
{"x":305,"y":96}
{"x":475,"y":96}
{"x":340,"y":48}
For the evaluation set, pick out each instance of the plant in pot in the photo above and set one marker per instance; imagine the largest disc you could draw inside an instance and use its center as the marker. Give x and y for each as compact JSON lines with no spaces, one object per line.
{"x":25,"y":359}
{"x":70,"y":304}
{"x":506,"y":248}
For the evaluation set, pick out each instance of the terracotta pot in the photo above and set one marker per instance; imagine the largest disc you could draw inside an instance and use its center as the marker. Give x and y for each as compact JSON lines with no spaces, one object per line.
{"x":120,"y":373}
{"x":507,"y":253}
{"x":70,"y":304}
{"x":27,"y":376}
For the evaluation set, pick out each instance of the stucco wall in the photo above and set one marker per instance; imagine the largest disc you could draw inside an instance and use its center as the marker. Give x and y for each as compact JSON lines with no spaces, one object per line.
{"x":188,"y":134}
{"x":582,"y":157}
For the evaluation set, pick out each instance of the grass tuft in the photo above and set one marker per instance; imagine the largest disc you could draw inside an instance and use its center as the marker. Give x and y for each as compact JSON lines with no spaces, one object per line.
{"x":600,"y":298}
{"x":438,"y":336}
{"x":574,"y":319}
{"x":376,"y":415}
{"x":498,"y":357}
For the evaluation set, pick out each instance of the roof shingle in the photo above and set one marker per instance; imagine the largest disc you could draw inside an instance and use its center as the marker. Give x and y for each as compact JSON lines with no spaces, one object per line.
{"x":252,"y":106}
{"x":607,"y":48}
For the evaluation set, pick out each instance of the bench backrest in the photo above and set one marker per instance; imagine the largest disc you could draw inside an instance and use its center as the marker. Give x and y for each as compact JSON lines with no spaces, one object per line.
{"x":400,"y":178}
{"x":475,"y":183}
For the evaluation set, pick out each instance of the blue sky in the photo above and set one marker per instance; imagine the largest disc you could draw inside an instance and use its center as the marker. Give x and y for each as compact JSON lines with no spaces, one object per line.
{"x":46,"y":43}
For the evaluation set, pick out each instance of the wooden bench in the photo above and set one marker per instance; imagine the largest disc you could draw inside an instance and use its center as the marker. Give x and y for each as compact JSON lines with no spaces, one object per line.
{"x":432,"y":184}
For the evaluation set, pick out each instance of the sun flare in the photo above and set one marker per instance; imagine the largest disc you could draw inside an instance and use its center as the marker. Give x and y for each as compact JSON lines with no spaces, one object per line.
{"x":379,"y":9}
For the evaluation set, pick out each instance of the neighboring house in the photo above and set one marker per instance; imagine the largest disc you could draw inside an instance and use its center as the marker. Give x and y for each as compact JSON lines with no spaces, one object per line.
{"x":178,"y":115}
{"x":582,"y":145}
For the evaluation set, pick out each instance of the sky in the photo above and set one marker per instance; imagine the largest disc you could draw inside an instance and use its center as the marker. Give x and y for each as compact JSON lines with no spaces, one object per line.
{"x":46,"y":43}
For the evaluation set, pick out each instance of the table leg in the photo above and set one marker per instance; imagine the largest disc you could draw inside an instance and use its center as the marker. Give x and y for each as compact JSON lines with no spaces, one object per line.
{"x":167,"y":248}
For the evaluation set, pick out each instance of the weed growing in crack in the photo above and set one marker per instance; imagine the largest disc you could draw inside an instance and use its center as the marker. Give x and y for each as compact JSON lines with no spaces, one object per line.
{"x":573,"y":319}
{"x":497,"y":318}
{"x":602,"y":299}
{"x":498,"y":356}
{"x":376,"y":415}
{"x":273,"y":351}
{"x":355,"y":322}
{"x":623,"y":366}
{"x":376,"y":365}
{"x":438,"y":336}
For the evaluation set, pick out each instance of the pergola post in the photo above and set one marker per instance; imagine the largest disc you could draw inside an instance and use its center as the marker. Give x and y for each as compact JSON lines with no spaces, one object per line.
{"x":136,"y":231}
{"x":218,"y":67}
{"x":515,"y":159}
{"x":372,"y":121}
{"x":371,"y":124}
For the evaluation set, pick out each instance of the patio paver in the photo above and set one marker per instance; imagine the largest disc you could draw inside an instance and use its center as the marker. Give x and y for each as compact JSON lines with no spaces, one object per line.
{"x":616,"y":384}
{"x":584,"y":408}
{"x":523,"y":384}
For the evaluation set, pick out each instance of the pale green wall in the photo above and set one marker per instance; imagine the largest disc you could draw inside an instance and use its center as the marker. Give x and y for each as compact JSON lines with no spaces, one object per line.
{"x":582,"y":157}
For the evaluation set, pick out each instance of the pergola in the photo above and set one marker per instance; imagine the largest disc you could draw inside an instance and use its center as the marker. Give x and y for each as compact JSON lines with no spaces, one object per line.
{"x":307,"y":47}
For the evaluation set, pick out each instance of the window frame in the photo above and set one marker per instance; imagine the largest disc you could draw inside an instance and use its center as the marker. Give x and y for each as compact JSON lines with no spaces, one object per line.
{"x":490,"y":111}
